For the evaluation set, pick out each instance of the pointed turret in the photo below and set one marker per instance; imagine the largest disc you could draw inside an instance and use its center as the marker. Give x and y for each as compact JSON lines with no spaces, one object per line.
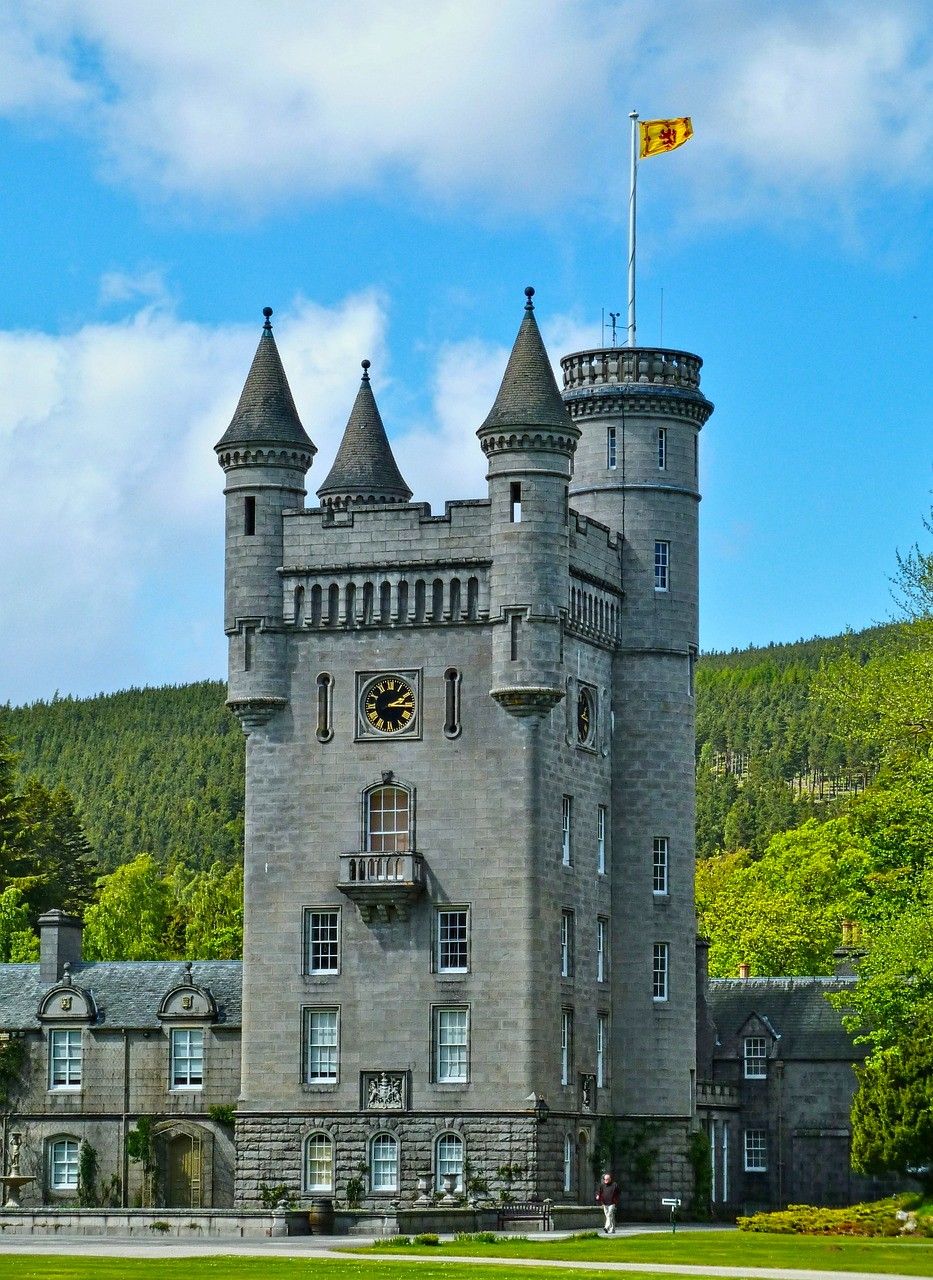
{"x":364,"y":470}
{"x":266,"y":412}
{"x":528,"y":396}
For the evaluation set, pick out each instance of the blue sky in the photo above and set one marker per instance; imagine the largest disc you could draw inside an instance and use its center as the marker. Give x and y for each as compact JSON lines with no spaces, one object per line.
{"x":389,"y":178}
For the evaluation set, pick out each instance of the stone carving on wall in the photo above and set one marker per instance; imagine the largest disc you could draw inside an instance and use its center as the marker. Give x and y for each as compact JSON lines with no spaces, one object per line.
{"x":384,"y":1091}
{"x":587,"y":1093}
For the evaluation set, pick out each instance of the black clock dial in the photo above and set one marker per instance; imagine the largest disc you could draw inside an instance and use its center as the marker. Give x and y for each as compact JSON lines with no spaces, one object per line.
{"x":585,"y":716}
{"x":389,"y":704}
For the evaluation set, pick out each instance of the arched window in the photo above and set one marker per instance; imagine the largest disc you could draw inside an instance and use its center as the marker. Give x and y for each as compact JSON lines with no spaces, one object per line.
{"x":367,"y":603}
{"x":387,"y":816}
{"x":383,"y":1163}
{"x":437,"y":600}
{"x":568,"y":1163}
{"x":319,"y":1163}
{"x":419,"y":600}
{"x":385,"y":602}
{"x":316,"y":605}
{"x":472,"y":598}
{"x":299,"y":606}
{"x":63,"y":1164}
{"x":448,"y":1158}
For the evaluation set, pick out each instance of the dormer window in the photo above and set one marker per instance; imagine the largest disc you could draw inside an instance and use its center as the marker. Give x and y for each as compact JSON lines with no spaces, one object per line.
{"x":755,"y":1056}
{"x":187,"y":1057}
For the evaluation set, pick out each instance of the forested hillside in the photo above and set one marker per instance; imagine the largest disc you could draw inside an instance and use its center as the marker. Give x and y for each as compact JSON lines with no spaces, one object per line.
{"x":157,"y":771}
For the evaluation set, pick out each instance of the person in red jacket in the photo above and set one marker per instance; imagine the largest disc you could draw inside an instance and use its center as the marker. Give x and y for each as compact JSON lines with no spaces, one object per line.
{"x":609,"y":1195}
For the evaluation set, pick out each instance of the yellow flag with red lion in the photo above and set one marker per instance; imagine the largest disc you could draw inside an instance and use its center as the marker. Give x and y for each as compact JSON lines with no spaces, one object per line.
{"x":664,"y":135}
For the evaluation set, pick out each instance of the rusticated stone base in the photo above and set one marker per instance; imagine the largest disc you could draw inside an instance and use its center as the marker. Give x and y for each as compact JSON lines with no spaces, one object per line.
{"x":270,"y":1147}
{"x":509,"y":1156}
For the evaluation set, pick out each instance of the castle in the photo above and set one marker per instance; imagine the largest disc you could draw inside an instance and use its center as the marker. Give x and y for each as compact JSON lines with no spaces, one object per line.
{"x":469,"y":824}
{"x":470,"y":965}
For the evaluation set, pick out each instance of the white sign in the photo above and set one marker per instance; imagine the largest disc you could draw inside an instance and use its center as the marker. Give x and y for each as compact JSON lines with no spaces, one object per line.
{"x":670,"y":1202}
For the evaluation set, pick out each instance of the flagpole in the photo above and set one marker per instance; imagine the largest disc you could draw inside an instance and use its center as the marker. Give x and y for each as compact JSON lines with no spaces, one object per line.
{"x":630,"y":341}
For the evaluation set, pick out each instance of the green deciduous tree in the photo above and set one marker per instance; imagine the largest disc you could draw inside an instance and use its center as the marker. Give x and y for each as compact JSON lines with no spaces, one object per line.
{"x":18,"y":942}
{"x":892,"y":1112}
{"x":132,"y":916}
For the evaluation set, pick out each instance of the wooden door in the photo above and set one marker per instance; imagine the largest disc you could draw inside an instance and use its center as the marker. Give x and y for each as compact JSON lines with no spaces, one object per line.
{"x":184,"y":1173}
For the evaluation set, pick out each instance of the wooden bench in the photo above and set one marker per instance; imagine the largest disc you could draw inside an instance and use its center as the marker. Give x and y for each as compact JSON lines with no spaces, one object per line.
{"x":525,"y":1211}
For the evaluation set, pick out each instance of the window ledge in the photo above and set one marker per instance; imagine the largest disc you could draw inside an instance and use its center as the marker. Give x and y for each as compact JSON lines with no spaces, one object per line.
{"x":320,"y":1086}
{"x":64,"y":1088}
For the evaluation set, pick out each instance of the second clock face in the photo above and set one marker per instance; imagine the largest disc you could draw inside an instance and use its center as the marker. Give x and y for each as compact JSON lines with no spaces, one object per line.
{"x":586,"y":717}
{"x":388,"y":705}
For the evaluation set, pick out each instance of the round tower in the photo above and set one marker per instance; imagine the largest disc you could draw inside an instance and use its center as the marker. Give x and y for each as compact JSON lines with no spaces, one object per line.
{"x":265,"y":453}
{"x":640,"y":412}
{"x":529,"y":441}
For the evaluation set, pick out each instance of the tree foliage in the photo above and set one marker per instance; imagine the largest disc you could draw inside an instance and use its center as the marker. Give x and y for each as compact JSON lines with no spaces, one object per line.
{"x":892,"y":1113}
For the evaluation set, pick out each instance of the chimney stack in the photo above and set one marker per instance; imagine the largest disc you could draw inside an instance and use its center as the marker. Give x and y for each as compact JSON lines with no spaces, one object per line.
{"x":745,"y":969}
{"x":59,"y":944}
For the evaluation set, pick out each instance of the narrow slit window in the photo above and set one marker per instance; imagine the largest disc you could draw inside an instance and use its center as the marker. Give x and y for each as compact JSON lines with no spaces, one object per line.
{"x":451,"y":702}
{"x":566,"y":822}
{"x":566,"y":944}
{"x":660,"y":870}
{"x":662,"y":448}
{"x":602,"y":943}
{"x":691,"y":671}
{"x":662,"y":566}
{"x":325,"y":685}
{"x":611,"y":448}
{"x":515,"y":502}
{"x":566,"y":1046}
{"x":248,"y":648}
{"x":601,"y":840}
{"x":515,"y":625}
{"x":249,"y":517}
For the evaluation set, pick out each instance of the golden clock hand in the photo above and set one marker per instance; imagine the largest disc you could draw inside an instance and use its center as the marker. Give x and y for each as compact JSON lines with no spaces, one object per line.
{"x":400,"y":702}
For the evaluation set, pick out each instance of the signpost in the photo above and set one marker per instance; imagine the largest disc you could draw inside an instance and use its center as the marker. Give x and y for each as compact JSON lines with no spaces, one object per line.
{"x":672,"y":1203}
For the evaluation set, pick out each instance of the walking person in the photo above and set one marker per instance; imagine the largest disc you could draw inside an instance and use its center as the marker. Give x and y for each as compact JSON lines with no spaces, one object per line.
{"x":609,"y":1195}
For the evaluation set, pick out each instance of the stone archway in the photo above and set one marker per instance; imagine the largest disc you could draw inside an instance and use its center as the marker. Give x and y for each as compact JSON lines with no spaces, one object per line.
{"x":184,"y":1166}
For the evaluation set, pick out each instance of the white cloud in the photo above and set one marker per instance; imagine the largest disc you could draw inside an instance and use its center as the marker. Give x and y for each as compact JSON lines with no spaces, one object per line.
{"x":522,"y":103}
{"x":112,"y":514}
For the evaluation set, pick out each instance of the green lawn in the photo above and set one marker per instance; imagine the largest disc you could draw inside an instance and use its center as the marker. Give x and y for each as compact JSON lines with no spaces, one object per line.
{"x":715,"y":1248}
{"x":33,"y":1267}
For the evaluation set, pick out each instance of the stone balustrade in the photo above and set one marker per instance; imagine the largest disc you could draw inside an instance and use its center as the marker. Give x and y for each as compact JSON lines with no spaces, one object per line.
{"x":381,"y":882}
{"x":657,"y":366}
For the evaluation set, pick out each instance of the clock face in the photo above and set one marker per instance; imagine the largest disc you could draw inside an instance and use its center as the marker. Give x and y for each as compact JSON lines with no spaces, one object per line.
{"x":388,"y":705}
{"x":586,"y":717}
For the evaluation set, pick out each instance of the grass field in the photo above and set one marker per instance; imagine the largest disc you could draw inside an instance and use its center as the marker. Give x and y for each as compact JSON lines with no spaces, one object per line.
{"x":20,"y":1267}
{"x":713,"y":1248}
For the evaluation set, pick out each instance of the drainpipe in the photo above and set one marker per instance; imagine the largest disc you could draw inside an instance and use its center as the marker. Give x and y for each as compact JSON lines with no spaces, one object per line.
{"x":124,"y":1122}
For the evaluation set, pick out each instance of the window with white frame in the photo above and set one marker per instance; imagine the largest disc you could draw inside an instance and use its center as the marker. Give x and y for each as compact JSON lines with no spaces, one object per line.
{"x":388,"y":820}
{"x":448,"y":1159}
{"x":322,"y":942}
{"x":451,"y":1045}
{"x":566,"y":944}
{"x":383,"y":1163}
{"x":602,"y":942}
{"x":602,"y":1049}
{"x":659,"y":971}
{"x":659,"y":869}
{"x":662,"y":448}
{"x":601,"y":840}
{"x":319,"y":1163}
{"x":453,"y":940}
{"x":63,"y":1164}
{"x":568,"y":1163}
{"x":662,"y":566}
{"x":611,"y":448}
{"x":756,"y":1151}
{"x":65,"y":1059}
{"x":566,"y":829}
{"x":322,"y":1054}
{"x":755,"y":1054}
{"x":566,"y":1046}
{"x":187,"y":1057}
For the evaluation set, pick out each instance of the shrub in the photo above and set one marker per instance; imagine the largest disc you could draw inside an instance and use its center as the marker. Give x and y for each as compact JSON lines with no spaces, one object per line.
{"x":427,"y":1237}
{"x":476,"y":1237}
{"x":392,"y":1242}
{"x":875,"y":1218}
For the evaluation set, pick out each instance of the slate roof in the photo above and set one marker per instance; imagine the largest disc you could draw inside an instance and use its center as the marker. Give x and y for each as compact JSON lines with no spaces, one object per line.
{"x":126,"y":993}
{"x":365,"y":466}
{"x":810,"y":1029}
{"x":266,"y":412}
{"x":528,"y":396}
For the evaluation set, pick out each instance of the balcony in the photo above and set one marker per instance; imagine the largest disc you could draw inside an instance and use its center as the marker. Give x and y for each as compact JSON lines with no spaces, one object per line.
{"x":659,"y":366}
{"x":715,"y":1094}
{"x":382,"y":883}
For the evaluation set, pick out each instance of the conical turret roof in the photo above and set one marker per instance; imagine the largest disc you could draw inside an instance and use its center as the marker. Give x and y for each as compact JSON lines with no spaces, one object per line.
{"x":266,"y":412}
{"x":528,"y":396}
{"x":364,"y":469}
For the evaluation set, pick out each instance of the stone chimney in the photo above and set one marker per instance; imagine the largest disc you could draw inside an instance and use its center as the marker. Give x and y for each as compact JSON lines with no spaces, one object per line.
{"x":59,"y":944}
{"x":745,"y":969}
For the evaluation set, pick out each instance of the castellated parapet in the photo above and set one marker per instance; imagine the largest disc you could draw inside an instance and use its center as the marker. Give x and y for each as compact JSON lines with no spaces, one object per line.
{"x":469,"y":839}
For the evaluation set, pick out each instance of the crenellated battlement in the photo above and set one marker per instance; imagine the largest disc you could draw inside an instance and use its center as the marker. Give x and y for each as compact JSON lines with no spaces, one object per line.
{"x":595,"y":550}
{"x":655,"y":366}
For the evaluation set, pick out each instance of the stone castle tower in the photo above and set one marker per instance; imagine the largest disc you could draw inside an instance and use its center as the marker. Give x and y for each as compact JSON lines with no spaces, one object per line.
{"x":469,"y":944}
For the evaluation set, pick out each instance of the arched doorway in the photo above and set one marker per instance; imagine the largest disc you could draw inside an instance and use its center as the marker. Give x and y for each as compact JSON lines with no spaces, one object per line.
{"x":584,"y":1172}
